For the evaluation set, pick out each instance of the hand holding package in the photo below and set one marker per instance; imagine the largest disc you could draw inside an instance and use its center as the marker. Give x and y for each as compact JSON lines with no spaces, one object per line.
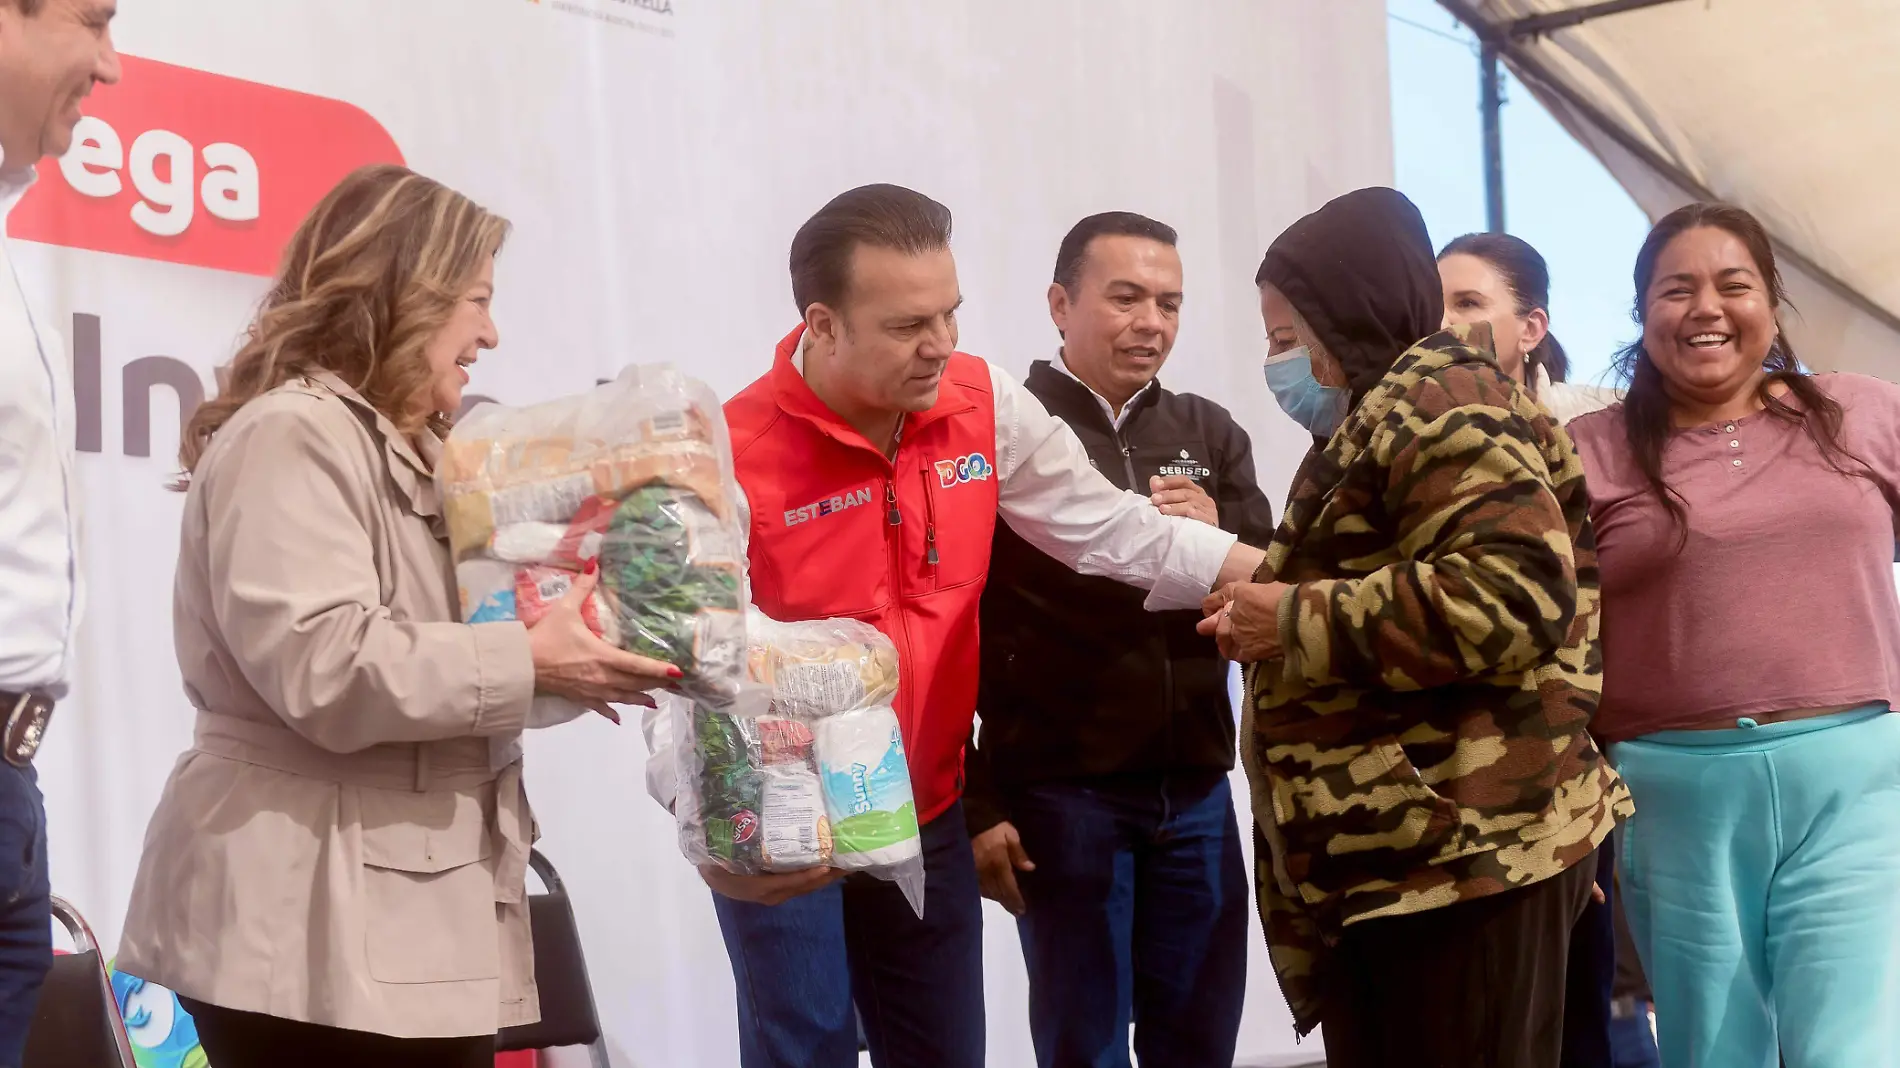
{"x":635,"y":474}
{"x":804,"y":766}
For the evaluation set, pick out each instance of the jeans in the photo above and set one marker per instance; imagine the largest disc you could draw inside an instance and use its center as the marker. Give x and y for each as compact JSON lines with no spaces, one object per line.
{"x":1758,"y":879}
{"x":1137,"y":913}
{"x":917,"y":983}
{"x":26,"y":916}
{"x":1632,"y":1045}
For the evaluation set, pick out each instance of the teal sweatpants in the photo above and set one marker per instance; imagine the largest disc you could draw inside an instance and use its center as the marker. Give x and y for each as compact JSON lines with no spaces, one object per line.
{"x":1761,"y":879}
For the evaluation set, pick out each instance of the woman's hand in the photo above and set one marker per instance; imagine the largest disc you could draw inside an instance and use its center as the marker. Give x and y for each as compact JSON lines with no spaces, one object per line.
{"x":571,"y":661}
{"x":1244,"y":619}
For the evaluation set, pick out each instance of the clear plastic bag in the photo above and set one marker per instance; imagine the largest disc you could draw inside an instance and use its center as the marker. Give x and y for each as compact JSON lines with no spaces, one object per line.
{"x":635,"y":474}
{"x":803,"y":766}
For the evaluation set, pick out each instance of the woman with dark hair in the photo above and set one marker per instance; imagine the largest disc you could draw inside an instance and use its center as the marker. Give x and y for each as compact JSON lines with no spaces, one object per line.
{"x":1501,"y":280}
{"x":1421,"y":667}
{"x":1745,"y":515}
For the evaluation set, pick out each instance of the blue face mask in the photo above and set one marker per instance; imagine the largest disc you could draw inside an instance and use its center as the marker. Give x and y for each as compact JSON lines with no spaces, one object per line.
{"x":1320,"y":409}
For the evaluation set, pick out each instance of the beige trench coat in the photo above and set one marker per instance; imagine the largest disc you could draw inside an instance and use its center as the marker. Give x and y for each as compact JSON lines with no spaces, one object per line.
{"x":336,"y":847}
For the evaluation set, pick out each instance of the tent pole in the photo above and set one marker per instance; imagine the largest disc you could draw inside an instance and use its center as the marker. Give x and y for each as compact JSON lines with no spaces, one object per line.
{"x":1492,"y":104}
{"x":1576,"y":16}
{"x":1533,"y":73}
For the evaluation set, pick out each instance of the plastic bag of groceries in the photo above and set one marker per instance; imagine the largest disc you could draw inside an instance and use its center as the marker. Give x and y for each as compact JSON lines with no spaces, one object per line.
{"x":804,"y":766}
{"x":635,"y":474}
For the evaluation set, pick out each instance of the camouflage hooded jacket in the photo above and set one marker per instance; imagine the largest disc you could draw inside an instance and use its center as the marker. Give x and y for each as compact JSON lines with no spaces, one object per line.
{"x":1423,"y":741}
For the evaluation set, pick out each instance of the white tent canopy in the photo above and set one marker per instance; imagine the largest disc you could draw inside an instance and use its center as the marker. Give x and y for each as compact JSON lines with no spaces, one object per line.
{"x":1777,"y":107}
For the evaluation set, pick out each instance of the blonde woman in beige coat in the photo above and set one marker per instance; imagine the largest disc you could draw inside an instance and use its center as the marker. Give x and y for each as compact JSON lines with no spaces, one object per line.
{"x":334,"y":874}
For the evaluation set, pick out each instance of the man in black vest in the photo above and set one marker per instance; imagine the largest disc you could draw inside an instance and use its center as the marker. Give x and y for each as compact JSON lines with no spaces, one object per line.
{"x":1097,"y":793}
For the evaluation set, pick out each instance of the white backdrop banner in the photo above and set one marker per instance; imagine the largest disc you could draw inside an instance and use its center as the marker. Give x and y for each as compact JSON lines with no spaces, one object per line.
{"x":655,"y":157}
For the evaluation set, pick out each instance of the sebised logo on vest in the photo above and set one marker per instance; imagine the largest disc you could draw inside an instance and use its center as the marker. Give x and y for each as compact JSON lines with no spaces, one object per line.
{"x":828,"y":506}
{"x":1186,"y":465}
{"x":971,"y":468}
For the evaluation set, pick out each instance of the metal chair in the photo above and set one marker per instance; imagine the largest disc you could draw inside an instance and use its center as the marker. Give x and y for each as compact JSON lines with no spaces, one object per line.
{"x":77,"y":1023}
{"x":568,"y":1014}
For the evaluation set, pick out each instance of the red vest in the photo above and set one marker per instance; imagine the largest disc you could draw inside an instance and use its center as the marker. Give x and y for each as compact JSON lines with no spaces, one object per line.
{"x":838,"y":530}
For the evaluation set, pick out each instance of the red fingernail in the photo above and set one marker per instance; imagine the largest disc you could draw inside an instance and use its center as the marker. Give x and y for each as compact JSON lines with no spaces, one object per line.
{"x":675,"y":673}
{"x":592,"y":566}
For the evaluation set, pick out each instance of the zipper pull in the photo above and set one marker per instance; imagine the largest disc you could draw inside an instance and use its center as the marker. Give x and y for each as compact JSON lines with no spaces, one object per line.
{"x":890,"y":498}
{"x":930,"y":538}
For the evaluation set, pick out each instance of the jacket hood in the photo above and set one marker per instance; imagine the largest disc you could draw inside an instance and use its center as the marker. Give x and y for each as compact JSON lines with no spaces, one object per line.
{"x":1361,"y":272}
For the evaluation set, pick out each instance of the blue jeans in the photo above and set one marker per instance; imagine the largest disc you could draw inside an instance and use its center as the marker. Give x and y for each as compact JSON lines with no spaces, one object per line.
{"x":26,"y":916}
{"x":1631,"y":1043}
{"x":917,"y":983}
{"x":1137,"y":913}
{"x":1759,"y":882}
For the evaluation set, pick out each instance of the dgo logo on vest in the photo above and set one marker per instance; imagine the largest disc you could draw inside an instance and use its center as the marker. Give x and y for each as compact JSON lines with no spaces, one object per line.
{"x":180,"y":165}
{"x":971,"y":468}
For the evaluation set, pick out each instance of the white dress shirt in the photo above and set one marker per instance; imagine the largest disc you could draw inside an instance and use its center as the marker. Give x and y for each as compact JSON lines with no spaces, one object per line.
{"x":1054,"y":499}
{"x":39,"y":574}
{"x":1115,"y":419}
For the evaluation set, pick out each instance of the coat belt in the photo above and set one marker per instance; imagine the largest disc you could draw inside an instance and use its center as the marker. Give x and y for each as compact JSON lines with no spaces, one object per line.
{"x":392,"y":767}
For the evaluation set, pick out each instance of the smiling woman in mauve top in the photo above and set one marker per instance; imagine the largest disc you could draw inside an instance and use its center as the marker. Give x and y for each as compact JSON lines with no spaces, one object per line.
{"x":1745,"y":524}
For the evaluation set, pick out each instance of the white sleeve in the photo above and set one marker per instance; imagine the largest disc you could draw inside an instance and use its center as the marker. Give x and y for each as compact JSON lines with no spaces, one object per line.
{"x":1054,"y":499}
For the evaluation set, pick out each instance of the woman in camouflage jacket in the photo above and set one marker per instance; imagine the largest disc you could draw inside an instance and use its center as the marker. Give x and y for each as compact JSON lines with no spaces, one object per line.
{"x":1422,"y":665}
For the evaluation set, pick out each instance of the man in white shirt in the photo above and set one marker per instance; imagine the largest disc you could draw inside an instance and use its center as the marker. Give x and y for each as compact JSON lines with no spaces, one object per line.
{"x":52,"y":53}
{"x":878,"y":461}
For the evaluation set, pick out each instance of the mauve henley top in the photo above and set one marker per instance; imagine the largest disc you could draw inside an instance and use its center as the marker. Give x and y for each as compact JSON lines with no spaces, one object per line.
{"x":1783,"y":597}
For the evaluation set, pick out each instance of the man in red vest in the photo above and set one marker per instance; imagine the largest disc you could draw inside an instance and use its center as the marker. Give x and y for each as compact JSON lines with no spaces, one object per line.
{"x":876,"y":460}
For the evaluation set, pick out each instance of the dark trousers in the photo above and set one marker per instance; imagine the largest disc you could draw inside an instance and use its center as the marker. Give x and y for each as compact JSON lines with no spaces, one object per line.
{"x":1592,"y":974}
{"x":234,"y":1039}
{"x":917,"y":983}
{"x":1478,"y":984}
{"x":1137,"y":913}
{"x":26,"y":917}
